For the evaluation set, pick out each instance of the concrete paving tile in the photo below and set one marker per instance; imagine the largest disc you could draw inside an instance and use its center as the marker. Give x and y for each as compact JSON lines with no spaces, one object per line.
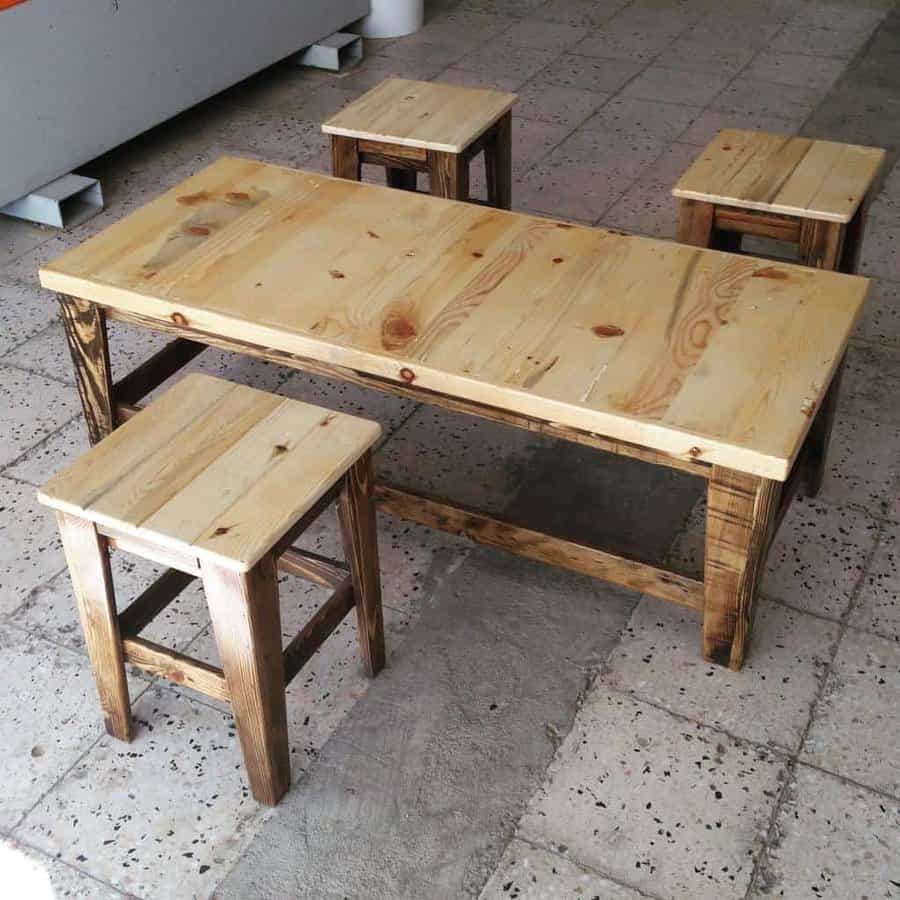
{"x":644,"y":120}
{"x":371,"y":72}
{"x":544,"y":35}
{"x":647,"y":208}
{"x":24,"y":311}
{"x":24,"y":268}
{"x":532,"y":141}
{"x":48,"y":353}
{"x":836,"y":42}
{"x":558,"y":105}
{"x":500,"y":59}
{"x":52,"y":454}
{"x":836,"y":841}
{"x":579,"y":12}
{"x":388,"y":410}
{"x":621,"y":156}
{"x":44,"y":728}
{"x":459,"y":32}
{"x":710,"y":122}
{"x":422,"y":54}
{"x":674,"y":161}
{"x":855,"y":724}
{"x":531,"y":873}
{"x":473,"y":461}
{"x":235,"y":367}
{"x":761,"y":98}
{"x":567,"y":192}
{"x":30,"y":548}
{"x":881,"y":251}
{"x":50,"y":611}
{"x":31,"y":407}
{"x":275,"y":135}
{"x":726,"y":30}
{"x":796,"y":69}
{"x":699,"y":56}
{"x":676,"y":86}
{"x":871,"y":382}
{"x":847,"y":16}
{"x":628,"y":43}
{"x":32,"y":875}
{"x":309,"y":101}
{"x":769,"y":701}
{"x":18,"y":236}
{"x":170,"y":808}
{"x":466,"y":78}
{"x":657,"y":802}
{"x":877,"y":608}
{"x":815,"y":562}
{"x":604,"y":75}
{"x":863,"y":465}
{"x":881,"y":315}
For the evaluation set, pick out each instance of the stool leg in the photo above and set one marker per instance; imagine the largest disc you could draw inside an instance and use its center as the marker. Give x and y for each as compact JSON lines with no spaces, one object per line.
{"x":88,"y":560}
{"x":449,"y":174}
{"x":404,"y":179}
{"x":695,"y":222}
{"x":356,"y":511}
{"x":345,"y":158}
{"x":740,"y":516}
{"x":819,"y":436}
{"x":246,"y":622}
{"x":498,"y":164}
{"x":853,"y":238}
{"x":821,"y":244}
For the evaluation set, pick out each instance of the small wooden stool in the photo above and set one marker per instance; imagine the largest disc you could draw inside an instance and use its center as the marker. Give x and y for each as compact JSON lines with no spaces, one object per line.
{"x":217,"y":480}
{"x":811,"y":193}
{"x":424,"y":126}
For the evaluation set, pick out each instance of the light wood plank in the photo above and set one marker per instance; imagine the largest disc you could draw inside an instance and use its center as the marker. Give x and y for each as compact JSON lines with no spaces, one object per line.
{"x":542,"y":319}
{"x":425,"y":114}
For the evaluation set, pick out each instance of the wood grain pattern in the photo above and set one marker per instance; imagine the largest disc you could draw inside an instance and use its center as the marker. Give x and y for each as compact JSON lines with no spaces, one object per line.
{"x":498,"y":163}
{"x":313,"y":567}
{"x":774,"y":173}
{"x":88,"y":561}
{"x":449,"y":175}
{"x":542,"y":319}
{"x":246,"y":622}
{"x":740,"y":515}
{"x":542,"y":547}
{"x":356,"y":512}
{"x":695,"y":223}
{"x":85,"y":327}
{"x":821,"y":244}
{"x":212,"y":470}
{"x":176,"y":667}
{"x":345,"y":162}
{"x":426,"y":114}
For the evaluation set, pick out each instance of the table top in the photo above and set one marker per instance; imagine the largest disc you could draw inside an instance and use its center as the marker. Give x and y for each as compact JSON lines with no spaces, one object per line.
{"x":691,"y":352}
{"x":216,"y":470}
{"x":792,"y":176}
{"x":424,"y":114}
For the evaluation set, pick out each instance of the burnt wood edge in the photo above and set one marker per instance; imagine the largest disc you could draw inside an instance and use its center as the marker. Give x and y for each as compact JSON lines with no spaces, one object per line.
{"x":697,"y":467}
{"x":545,"y":548}
{"x":315,"y":568}
{"x":176,"y":667}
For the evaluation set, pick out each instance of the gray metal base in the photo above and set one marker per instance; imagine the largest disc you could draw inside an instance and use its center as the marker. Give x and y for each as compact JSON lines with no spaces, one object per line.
{"x":63,"y":203}
{"x":337,"y":52}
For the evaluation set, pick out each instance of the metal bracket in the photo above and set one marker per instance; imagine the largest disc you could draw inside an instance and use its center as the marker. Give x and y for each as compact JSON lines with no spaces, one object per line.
{"x":63,"y":203}
{"x":336,"y":52}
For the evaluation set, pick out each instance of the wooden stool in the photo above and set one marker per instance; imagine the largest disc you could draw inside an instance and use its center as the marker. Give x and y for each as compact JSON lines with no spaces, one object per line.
{"x":423,"y":126}
{"x":216,"y":481}
{"x":811,"y":193}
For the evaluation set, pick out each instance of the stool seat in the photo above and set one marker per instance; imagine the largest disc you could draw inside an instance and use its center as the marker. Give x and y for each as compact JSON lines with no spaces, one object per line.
{"x":423,"y":114}
{"x":792,"y":176}
{"x":211,"y":469}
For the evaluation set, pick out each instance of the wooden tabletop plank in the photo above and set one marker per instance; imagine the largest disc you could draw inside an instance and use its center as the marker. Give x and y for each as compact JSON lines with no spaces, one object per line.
{"x":786,"y":175}
{"x":424,"y":114}
{"x":690,"y":352}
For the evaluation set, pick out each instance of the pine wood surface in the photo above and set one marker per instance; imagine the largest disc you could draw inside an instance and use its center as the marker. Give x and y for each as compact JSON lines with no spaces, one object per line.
{"x":789,"y":175}
{"x":211,"y":469}
{"x":694,"y":353}
{"x":424,"y":114}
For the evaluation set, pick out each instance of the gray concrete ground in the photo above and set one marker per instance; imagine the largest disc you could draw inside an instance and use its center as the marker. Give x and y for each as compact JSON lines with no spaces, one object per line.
{"x":536,"y":734}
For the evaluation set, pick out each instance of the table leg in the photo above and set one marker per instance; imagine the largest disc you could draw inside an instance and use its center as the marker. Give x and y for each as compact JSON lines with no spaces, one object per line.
{"x":85,"y":325}
{"x":498,"y":164}
{"x":695,"y":222}
{"x":449,"y":175}
{"x":819,"y":436}
{"x":246,"y":623}
{"x":853,"y":238}
{"x":740,"y":516}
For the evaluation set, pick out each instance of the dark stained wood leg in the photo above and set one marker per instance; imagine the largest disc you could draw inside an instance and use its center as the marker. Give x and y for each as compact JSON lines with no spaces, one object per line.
{"x":498,"y":164}
{"x":821,"y":244}
{"x":449,"y":174}
{"x":819,"y":436}
{"x":853,"y":238}
{"x":404,"y":179}
{"x":356,"y":511}
{"x":729,"y":241}
{"x":88,"y":560}
{"x":741,"y":511}
{"x":85,"y":325}
{"x":247,"y":627}
{"x":345,"y":158}
{"x":695,"y":223}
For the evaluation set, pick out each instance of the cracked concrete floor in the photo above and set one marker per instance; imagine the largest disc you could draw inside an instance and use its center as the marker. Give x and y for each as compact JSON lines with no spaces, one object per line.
{"x":536,"y":734}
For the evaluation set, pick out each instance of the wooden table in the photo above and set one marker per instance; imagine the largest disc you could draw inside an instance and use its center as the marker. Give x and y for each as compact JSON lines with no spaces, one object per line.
{"x":719,"y":365}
